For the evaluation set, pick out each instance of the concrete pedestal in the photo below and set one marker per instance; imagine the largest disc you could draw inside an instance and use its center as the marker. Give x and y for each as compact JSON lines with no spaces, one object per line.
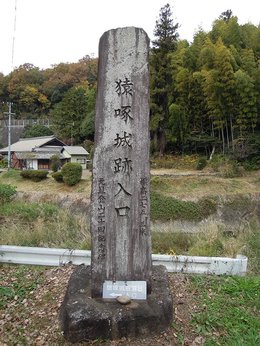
{"x":85,"y":318}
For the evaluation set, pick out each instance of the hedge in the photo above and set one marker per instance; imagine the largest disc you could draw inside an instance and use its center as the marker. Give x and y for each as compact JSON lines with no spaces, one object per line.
{"x":36,"y":176}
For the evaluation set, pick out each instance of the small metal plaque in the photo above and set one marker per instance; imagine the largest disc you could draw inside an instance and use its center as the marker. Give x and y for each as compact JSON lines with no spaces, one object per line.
{"x":132,"y":289}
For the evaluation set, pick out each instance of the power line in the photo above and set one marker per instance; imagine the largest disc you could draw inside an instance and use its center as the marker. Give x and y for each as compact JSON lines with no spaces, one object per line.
{"x":14,"y":32}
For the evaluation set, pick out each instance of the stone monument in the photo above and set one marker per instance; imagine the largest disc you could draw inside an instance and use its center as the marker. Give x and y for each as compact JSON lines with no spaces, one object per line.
{"x":121,"y":243}
{"x":121,"y":263}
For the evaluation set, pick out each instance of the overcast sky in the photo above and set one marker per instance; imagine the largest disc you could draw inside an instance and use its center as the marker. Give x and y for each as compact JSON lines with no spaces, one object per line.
{"x":48,"y":32}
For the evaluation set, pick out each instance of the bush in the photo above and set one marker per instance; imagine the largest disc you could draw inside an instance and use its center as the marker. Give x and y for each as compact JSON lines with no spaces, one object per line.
{"x":3,"y":163}
{"x":252,"y":164}
{"x":231,"y":170}
{"x":201,"y":163}
{"x":57,"y":176}
{"x":227,"y":167}
{"x":71,"y":173}
{"x":34,"y":175}
{"x":6,"y":193}
{"x":168,"y":208}
{"x":55,"y":163}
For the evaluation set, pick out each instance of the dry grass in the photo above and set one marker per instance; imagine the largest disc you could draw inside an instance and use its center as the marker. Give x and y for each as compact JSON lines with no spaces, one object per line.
{"x":43,"y":225}
{"x":47,"y":185}
{"x":187,"y":185}
{"x":195,"y":187}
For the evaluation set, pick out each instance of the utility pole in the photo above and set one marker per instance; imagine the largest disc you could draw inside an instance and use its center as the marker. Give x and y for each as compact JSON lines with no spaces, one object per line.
{"x":9,"y":113}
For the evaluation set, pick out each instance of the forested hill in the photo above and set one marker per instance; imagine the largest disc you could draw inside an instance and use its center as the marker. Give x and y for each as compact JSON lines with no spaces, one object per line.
{"x":204,"y":94}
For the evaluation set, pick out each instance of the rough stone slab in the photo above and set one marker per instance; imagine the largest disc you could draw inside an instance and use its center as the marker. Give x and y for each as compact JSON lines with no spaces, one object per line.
{"x":86,"y":318}
{"x":120,"y":202}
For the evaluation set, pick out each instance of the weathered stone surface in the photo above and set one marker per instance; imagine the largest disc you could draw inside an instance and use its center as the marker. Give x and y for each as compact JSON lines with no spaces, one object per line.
{"x":85,"y":318}
{"x":124,"y":300}
{"x":120,"y":208}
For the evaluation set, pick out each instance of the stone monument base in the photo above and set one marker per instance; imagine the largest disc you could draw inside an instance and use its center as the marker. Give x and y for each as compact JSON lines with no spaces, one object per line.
{"x":85,"y":318}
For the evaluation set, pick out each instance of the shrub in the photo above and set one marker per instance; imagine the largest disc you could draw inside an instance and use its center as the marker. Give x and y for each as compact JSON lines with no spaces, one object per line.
{"x":55,"y":163}
{"x":6,"y":193}
{"x":252,"y":164}
{"x":71,"y":173}
{"x":57,"y":176}
{"x":3,"y":163}
{"x":227,"y":167}
{"x":231,"y":170}
{"x":201,"y":163}
{"x":34,"y":175}
{"x":167,"y":208}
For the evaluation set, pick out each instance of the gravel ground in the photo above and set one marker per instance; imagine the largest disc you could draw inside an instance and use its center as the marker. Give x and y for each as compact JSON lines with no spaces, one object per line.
{"x":34,"y":320}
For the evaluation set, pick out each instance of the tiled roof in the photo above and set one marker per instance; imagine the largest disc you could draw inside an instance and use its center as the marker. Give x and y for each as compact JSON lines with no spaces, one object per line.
{"x":28,"y":144}
{"x":31,"y":155}
{"x":76,"y":150}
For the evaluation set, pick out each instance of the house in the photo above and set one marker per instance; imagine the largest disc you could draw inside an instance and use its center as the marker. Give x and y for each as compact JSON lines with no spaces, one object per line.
{"x":76,"y":154}
{"x":36,"y":153}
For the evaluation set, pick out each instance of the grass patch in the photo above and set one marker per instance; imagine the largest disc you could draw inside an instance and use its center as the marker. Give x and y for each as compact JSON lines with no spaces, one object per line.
{"x":23,"y":282}
{"x":171,"y":243}
{"x":228,"y":309}
{"x":44,"y":224}
{"x":174,"y":162}
{"x":212,"y":240}
{"x":160,"y":183}
{"x":48,"y":185}
{"x":11,"y":174}
{"x":29,"y":211}
{"x":169,"y":208}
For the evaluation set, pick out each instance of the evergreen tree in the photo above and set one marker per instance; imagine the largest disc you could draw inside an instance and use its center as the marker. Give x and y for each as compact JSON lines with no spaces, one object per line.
{"x":161,"y":76}
{"x":226,"y":15}
{"x":69,"y":114}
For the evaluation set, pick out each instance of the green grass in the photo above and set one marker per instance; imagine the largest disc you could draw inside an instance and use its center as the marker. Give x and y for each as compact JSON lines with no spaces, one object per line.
{"x":169,"y":208}
{"x":175,"y":162}
{"x":227,"y":310}
{"x":47,"y":225}
{"x":24,"y":281}
{"x":42,"y":224}
{"x":171,"y":243}
{"x":29,"y":211}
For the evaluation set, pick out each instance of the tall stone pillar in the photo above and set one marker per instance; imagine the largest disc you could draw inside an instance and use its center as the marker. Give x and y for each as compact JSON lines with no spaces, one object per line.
{"x":120,"y":207}
{"x":120,"y":219}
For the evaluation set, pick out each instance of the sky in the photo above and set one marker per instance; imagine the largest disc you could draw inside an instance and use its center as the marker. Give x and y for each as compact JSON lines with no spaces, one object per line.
{"x":48,"y":32}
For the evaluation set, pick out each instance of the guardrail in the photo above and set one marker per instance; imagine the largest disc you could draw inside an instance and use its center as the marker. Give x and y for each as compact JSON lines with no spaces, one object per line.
{"x":174,"y":264}
{"x":25,"y":122}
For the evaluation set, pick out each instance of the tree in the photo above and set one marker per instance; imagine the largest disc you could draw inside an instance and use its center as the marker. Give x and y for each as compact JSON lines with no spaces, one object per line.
{"x":246,"y":117}
{"x":161,"y":75}
{"x":70,"y":113}
{"x":24,"y":88}
{"x":178,"y":125}
{"x":88,"y":124}
{"x":225,"y":85}
{"x":226,"y":15}
{"x":55,"y":163}
{"x":36,"y":131}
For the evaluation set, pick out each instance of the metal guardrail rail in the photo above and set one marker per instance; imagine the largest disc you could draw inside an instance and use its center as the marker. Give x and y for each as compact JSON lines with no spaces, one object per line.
{"x":25,"y":122}
{"x":174,"y":264}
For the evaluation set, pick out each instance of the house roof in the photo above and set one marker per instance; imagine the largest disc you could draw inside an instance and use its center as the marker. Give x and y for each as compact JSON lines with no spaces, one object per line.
{"x":32,"y":155}
{"x":75,"y":150}
{"x":28,"y":144}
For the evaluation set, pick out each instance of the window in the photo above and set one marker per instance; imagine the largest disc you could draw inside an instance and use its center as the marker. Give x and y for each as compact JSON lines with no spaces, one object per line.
{"x":43,"y":164}
{"x":81,"y":161}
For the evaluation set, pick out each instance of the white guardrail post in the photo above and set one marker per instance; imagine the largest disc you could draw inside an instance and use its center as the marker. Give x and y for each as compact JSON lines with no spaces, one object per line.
{"x":174,"y":264}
